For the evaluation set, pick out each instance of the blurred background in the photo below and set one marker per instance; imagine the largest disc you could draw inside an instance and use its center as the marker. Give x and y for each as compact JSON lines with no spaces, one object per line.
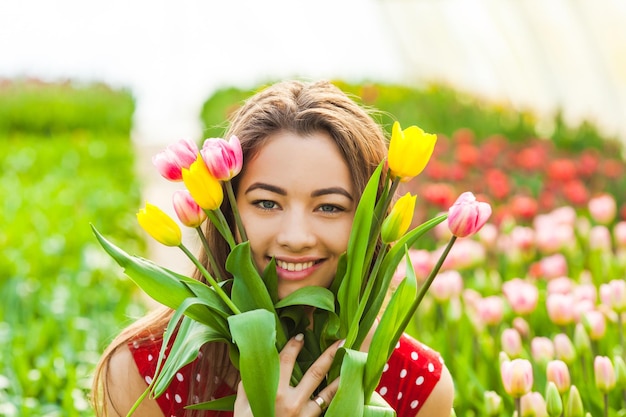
{"x":528,"y":97}
{"x":564,"y":55}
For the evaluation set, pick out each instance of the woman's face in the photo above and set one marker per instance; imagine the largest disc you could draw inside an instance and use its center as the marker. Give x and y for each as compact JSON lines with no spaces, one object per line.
{"x":297,"y":202}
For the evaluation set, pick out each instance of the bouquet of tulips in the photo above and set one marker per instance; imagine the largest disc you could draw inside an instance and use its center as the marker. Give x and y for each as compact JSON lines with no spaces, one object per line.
{"x":244,"y":310}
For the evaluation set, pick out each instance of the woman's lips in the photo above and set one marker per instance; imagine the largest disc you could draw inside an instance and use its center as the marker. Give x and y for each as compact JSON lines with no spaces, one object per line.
{"x":295,"y":271}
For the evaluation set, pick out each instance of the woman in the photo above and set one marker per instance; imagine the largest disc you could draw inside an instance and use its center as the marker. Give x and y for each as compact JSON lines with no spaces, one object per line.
{"x":308,"y":153}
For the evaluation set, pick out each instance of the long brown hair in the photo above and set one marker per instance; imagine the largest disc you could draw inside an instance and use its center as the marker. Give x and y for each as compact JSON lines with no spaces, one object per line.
{"x":293,"y":106}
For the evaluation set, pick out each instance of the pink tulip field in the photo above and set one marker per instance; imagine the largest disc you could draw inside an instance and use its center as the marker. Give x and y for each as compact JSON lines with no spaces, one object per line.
{"x":539,"y":295}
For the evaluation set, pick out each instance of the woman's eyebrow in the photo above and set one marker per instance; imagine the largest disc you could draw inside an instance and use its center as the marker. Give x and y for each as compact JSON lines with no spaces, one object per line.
{"x":267,"y":187}
{"x":332,"y":190}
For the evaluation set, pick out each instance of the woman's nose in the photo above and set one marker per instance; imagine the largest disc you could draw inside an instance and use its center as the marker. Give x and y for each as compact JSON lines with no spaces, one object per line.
{"x":296,"y":232}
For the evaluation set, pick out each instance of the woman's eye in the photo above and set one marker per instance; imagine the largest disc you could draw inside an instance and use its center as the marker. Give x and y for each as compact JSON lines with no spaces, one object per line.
{"x":265,"y":204}
{"x":330,"y":208}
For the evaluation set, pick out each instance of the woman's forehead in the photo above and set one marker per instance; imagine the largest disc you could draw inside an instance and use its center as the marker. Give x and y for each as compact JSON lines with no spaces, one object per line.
{"x":290,"y":158}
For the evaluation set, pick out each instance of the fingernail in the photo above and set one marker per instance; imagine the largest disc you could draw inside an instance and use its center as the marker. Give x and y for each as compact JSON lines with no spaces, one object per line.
{"x":343,"y":342}
{"x":299,"y":337}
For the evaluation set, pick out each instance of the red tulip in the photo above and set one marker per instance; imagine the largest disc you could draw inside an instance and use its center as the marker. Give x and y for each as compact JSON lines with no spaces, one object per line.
{"x":562,"y":170}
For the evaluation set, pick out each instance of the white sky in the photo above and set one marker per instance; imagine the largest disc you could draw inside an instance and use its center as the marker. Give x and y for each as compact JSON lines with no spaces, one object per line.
{"x":174,"y":54}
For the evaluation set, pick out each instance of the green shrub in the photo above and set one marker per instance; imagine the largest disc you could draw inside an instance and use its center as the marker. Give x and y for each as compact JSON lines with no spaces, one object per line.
{"x":47,"y":109}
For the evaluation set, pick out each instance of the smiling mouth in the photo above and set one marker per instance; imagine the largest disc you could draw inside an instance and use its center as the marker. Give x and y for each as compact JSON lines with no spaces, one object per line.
{"x":295,"y":266}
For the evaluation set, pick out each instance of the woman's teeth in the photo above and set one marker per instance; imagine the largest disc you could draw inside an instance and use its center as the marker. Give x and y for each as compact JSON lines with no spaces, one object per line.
{"x":291,"y":266}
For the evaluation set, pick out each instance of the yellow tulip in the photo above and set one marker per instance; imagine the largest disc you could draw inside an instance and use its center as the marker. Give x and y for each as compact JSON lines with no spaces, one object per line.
{"x":205,"y":189}
{"x":159,"y":225}
{"x":399,"y":220}
{"x":409,"y":151}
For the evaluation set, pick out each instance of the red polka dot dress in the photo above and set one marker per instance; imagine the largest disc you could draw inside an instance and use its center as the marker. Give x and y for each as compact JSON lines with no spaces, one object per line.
{"x":408,"y":378}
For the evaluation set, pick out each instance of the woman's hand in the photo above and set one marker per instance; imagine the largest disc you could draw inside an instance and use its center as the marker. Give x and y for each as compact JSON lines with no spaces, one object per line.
{"x":296,"y":401}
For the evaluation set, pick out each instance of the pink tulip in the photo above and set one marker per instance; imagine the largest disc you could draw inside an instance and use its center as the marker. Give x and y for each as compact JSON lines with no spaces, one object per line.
{"x":551,"y":266}
{"x":560,"y":308}
{"x":585,"y":292}
{"x":552,"y":238}
{"x":533,"y":404}
{"x":613,"y":295}
{"x":522,"y":326}
{"x":560,"y":285}
{"x":490,"y":310}
{"x":422,"y":265}
{"x":600,"y":238}
{"x":564,"y":348}
{"x":521,"y":295}
{"x":542,"y":349}
{"x":224,"y":159}
{"x":595,"y":323}
{"x":488,"y":235}
{"x":604,"y":373}
{"x":465,"y":253}
{"x":558,"y":372}
{"x":581,"y":308}
{"x":602,"y":208}
{"x":446,"y":285}
{"x":511,"y":342}
{"x":471,"y":298}
{"x":467,"y":216}
{"x":171,"y":161}
{"x":188,"y":211}
{"x":619,"y":233}
{"x":564,"y":215}
{"x":517,"y":377}
{"x":523,"y":238}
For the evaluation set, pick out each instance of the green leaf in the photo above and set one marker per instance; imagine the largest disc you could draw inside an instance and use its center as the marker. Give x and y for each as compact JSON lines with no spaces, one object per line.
{"x":270,"y":278}
{"x":254,"y":333}
{"x":207,"y":294}
{"x":342,"y":267}
{"x":249,"y":291}
{"x":389,"y":328}
{"x":349,"y":292}
{"x":221,"y":404}
{"x":318,"y":297}
{"x":189,"y":338}
{"x":378,"y":407}
{"x":161,"y":284}
{"x":349,"y":399}
{"x":387,"y":269}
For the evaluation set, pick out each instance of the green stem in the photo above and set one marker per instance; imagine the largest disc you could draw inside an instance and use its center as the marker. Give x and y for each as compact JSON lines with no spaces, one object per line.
{"x":220,"y":292}
{"x":424,"y":288}
{"x":354,"y":328}
{"x":138,"y":402}
{"x":606,"y":404}
{"x":219,"y":221}
{"x":233,"y":206}
{"x":207,"y":250}
{"x":518,"y":406}
{"x":434,"y":272}
{"x":620,"y":326}
{"x":379,"y":222}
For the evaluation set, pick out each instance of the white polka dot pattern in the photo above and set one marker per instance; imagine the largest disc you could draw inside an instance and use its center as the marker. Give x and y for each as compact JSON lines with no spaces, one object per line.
{"x":409,"y":376}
